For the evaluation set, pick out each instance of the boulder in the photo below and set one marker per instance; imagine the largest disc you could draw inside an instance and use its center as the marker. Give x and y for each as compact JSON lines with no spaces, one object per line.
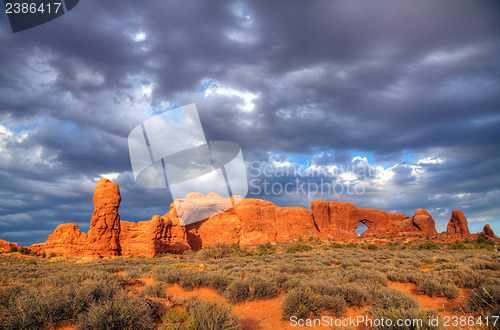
{"x":457,"y":223}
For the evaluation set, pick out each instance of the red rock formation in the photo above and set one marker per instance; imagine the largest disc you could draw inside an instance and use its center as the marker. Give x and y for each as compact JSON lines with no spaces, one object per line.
{"x":66,"y":240}
{"x":423,"y":222}
{"x":104,"y":233}
{"x":149,"y":238}
{"x":250,"y":221}
{"x":5,"y":246}
{"x":489,"y":232}
{"x":343,"y":217}
{"x":457,"y":223}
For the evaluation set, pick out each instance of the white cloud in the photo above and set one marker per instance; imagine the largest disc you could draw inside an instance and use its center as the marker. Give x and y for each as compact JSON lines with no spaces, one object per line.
{"x":247,"y":97}
{"x":431,"y":160}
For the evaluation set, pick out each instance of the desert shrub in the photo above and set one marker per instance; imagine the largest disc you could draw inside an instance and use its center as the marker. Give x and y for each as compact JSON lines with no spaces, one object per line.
{"x":204,"y":315}
{"x":450,"y":291}
{"x":265,"y":249}
{"x":215,"y":280}
{"x":372,"y":247}
{"x":255,"y":287}
{"x":30,"y":262}
{"x":13,"y":248}
{"x":484,"y":240}
{"x":428,"y":245}
{"x":173,"y":319}
{"x":486,"y":297}
{"x":298,"y":248}
{"x":457,"y":245}
{"x":22,"y":250}
{"x":470,"y":280}
{"x":218,"y":251}
{"x":302,"y":303}
{"x":122,"y":312}
{"x":34,"y":308}
{"x":52,"y":255}
{"x":334,"y":304}
{"x":356,"y":295}
{"x":430,"y":287}
{"x":237,"y":291}
{"x":261,"y":288}
{"x":368,"y":276}
{"x":416,"y":318}
{"x":350,"y":263}
{"x":168,"y":275}
{"x":235,"y":247}
{"x":481,"y":264}
{"x":43,"y":255}
{"x":336,"y":245}
{"x":190,"y":279}
{"x":156,"y":290}
{"x":387,"y":298}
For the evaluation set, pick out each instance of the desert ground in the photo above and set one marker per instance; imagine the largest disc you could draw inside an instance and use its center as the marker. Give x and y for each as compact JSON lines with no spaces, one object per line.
{"x":324,"y":284}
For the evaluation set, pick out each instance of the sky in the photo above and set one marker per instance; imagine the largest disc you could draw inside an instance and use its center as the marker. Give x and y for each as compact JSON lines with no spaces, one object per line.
{"x":391,"y":104}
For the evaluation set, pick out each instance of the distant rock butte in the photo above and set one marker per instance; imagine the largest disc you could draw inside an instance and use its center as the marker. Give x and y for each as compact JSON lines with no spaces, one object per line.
{"x":457,"y":224}
{"x":248,"y":221}
{"x":489,"y":232}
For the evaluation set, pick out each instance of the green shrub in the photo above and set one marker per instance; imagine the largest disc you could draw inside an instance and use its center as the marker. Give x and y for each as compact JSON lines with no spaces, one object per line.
{"x":235,"y":247}
{"x":13,"y":248}
{"x":43,"y":255}
{"x":23,"y":250}
{"x":266,"y":249}
{"x":482,"y":239}
{"x":173,"y":319}
{"x":336,"y":245}
{"x":298,"y":248}
{"x":372,"y":247}
{"x":52,"y":255}
{"x":457,"y":245}
{"x":121,"y":312}
{"x":30,"y":262}
{"x":428,"y":245}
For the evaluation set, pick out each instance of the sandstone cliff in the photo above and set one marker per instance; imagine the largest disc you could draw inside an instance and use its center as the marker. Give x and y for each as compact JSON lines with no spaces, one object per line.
{"x":251,"y":221}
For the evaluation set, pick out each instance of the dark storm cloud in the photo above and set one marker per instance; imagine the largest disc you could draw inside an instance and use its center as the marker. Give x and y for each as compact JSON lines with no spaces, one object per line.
{"x":414,"y":85}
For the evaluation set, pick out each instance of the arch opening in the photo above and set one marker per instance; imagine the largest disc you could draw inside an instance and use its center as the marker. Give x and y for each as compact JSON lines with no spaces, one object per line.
{"x":361,"y":228}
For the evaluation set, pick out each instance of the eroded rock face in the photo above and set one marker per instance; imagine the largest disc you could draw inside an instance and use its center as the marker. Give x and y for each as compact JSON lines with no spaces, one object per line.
{"x":343,"y":218}
{"x":489,"y":232}
{"x":5,"y":246}
{"x":149,"y":238}
{"x":457,"y":223}
{"x":104,"y":234}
